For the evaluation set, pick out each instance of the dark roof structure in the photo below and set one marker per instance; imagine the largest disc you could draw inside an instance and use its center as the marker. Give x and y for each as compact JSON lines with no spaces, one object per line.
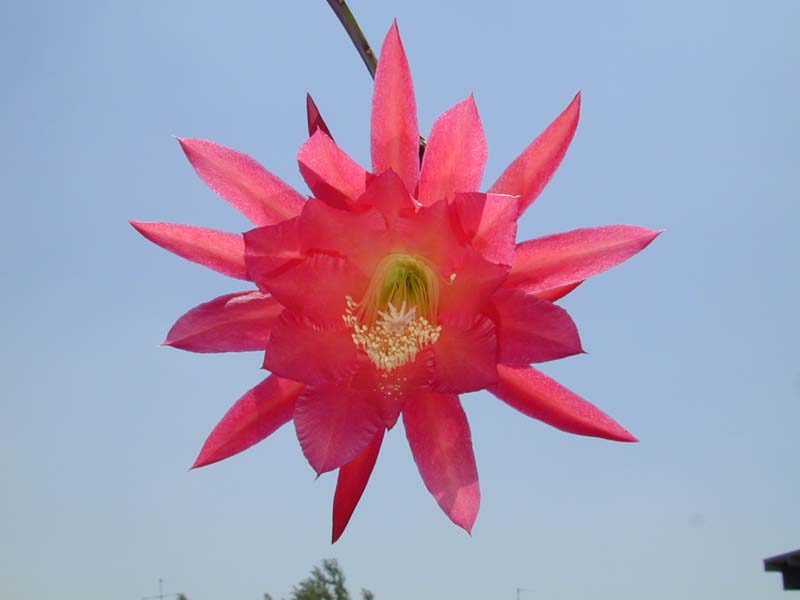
{"x":789,"y":565}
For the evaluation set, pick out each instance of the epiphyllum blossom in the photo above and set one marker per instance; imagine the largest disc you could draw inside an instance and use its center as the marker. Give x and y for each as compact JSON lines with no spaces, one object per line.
{"x":392,"y":292}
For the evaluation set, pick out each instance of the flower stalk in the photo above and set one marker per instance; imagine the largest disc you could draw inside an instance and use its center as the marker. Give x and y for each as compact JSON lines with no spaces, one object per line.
{"x":357,"y":36}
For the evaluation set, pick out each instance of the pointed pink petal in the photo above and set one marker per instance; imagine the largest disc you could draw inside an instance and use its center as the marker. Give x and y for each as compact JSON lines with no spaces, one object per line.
{"x":531,"y":170}
{"x":231,"y":323}
{"x":334,"y":424}
{"x":531,"y":330}
{"x":318,"y":287}
{"x":300,"y":350}
{"x":223,"y":252}
{"x":566,"y":258}
{"x":489,"y":222}
{"x":270,"y":248}
{"x":556,"y":293}
{"x":315,"y":120}
{"x":333,"y":176}
{"x":395,"y":134}
{"x":252,"y":190}
{"x":455,"y":154}
{"x":252,"y":418}
{"x":538,"y":396}
{"x":352,"y":481}
{"x":440,"y":440}
{"x":466,"y":357}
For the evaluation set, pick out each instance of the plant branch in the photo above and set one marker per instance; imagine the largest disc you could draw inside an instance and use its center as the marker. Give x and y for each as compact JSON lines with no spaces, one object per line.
{"x":350,"y":25}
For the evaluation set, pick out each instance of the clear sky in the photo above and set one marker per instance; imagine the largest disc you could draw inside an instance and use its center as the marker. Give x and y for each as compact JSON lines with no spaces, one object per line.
{"x":689,"y":123}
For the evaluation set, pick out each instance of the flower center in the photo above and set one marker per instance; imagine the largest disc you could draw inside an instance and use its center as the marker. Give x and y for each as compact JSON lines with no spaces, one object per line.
{"x":396,"y":318}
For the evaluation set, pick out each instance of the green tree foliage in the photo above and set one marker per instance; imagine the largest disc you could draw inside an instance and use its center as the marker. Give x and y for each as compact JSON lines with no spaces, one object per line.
{"x":326,"y":582}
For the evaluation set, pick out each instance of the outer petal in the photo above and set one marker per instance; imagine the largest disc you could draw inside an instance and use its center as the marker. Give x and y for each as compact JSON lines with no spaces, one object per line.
{"x":315,"y":120}
{"x":395,"y":134}
{"x":332,"y":176}
{"x":231,"y":323}
{"x":455,"y":154}
{"x":535,"y":394}
{"x":532,"y":330}
{"x":441,"y":443}
{"x":466,"y":357}
{"x":300,"y":350}
{"x":255,"y":415}
{"x":567,"y":258}
{"x":252,"y":190}
{"x":489,"y":223}
{"x":352,"y":482}
{"x":556,"y":293}
{"x":334,"y":424}
{"x":217,"y":250}
{"x":531,"y":170}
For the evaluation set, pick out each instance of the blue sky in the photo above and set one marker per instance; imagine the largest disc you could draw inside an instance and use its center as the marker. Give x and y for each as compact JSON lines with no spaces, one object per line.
{"x":689,"y":123}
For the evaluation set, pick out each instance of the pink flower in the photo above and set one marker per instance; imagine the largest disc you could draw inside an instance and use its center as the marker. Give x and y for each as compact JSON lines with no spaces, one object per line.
{"x":391,"y":292}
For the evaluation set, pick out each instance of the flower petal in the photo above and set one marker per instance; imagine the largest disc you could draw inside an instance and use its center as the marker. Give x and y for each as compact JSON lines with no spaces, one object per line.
{"x":535,"y":394}
{"x":300,"y":350}
{"x":440,"y":440}
{"x":489,"y":222}
{"x":231,"y":323}
{"x":469,"y":287}
{"x":218,"y":250}
{"x":531,"y":330}
{"x":455,"y":154}
{"x":390,"y":390}
{"x":430,"y":232}
{"x":556,"y":293}
{"x":252,"y":190}
{"x":352,"y":481}
{"x":361,"y":235}
{"x":531,"y":170}
{"x":270,"y":248}
{"x":252,"y":418}
{"x":334,"y":424}
{"x":333,"y":176}
{"x":315,"y":120}
{"x":465,"y":357}
{"x":389,"y":195}
{"x":318,"y":287}
{"x":566,"y":258}
{"x":395,"y":134}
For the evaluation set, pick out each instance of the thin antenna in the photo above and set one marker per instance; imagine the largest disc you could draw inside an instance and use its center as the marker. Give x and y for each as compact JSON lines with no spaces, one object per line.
{"x":520,"y":590}
{"x":161,"y":595}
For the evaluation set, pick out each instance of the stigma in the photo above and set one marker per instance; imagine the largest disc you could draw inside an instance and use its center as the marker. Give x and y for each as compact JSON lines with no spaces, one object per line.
{"x":396,"y":318}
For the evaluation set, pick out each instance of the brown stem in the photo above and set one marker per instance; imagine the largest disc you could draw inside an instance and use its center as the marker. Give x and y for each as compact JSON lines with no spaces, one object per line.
{"x":350,"y":25}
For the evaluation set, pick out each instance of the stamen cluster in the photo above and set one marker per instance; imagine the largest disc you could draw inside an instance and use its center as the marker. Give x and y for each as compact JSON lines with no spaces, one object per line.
{"x":395,"y":339}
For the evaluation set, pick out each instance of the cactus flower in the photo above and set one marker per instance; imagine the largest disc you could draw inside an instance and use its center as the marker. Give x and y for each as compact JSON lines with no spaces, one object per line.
{"x":389,"y":292}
